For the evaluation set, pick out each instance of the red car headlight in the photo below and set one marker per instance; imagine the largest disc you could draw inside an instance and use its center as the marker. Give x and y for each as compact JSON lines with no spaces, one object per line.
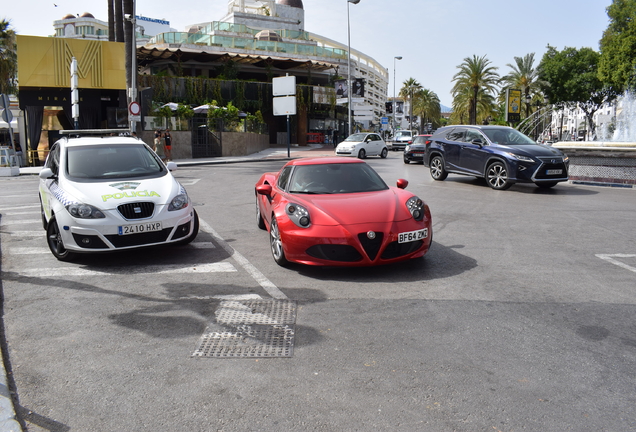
{"x":298,"y":214}
{"x":416,"y":207}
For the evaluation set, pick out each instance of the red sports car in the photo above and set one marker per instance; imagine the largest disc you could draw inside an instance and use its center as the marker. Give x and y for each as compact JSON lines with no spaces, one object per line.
{"x":339,"y":212}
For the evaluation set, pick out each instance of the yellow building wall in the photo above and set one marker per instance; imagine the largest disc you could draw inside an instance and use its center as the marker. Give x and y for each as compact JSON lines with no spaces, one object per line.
{"x":45,"y":62}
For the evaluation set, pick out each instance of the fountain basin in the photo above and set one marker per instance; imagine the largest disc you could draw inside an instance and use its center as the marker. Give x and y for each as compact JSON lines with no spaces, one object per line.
{"x":601,"y":162}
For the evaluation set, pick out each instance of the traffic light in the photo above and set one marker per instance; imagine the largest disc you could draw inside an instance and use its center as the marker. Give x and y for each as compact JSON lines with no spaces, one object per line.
{"x":389,"y":107}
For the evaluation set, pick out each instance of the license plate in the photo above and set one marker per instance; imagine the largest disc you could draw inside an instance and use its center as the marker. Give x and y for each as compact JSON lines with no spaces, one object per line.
{"x":554,"y":172}
{"x":139,"y":228}
{"x":411,"y":236}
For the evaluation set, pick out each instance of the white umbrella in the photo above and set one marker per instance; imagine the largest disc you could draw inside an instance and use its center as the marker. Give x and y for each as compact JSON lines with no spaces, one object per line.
{"x":172,"y":105}
{"x":202,"y":109}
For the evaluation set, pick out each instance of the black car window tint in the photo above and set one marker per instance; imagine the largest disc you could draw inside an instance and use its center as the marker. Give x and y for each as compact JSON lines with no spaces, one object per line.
{"x":456,"y":135}
{"x":472,"y":135}
{"x":283,"y":177}
{"x":53,"y":161}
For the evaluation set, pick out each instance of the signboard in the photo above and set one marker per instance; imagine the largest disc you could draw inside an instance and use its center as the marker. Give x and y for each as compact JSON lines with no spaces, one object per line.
{"x":134,"y":108}
{"x":384,"y":120}
{"x":363,"y":118}
{"x":513,"y":105}
{"x":285,"y":105}
{"x":284,"y":86}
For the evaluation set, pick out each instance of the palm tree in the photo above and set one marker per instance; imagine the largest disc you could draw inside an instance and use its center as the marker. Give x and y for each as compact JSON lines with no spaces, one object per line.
{"x":426,"y":105}
{"x":479,"y":78}
{"x":486,"y":107}
{"x":409,"y":88}
{"x":8,"y":59}
{"x":525,"y":77}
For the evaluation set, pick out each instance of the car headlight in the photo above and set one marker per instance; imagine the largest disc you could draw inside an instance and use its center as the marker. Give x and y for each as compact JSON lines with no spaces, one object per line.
{"x":179,"y":202}
{"x":521,"y":158}
{"x":84,"y":211}
{"x":416,"y":207}
{"x":298,"y":215}
{"x":407,"y":148}
{"x":566,"y":159}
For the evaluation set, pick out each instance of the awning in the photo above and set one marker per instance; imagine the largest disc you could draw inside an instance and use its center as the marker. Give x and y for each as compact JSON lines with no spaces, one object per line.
{"x":147,"y":56}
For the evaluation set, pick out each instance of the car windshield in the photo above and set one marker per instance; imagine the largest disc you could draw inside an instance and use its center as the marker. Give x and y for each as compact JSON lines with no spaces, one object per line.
{"x":403,"y":134}
{"x":335,"y":179}
{"x":357,"y":137}
{"x":508,"y":137}
{"x":108,"y":161}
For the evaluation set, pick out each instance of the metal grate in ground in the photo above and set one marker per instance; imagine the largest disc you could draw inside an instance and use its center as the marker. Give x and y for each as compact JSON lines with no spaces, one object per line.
{"x":250,"y":328}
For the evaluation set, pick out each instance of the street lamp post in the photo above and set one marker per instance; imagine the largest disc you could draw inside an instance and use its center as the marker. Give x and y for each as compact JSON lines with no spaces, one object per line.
{"x":349,"y":61}
{"x":133,"y":64}
{"x":394,"y":95}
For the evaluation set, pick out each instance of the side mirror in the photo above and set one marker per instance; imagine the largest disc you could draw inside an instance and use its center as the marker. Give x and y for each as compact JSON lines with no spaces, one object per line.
{"x":477,"y":141}
{"x":264,"y":189}
{"x":402,"y":183}
{"x":46,"y":173}
{"x":172,"y":166}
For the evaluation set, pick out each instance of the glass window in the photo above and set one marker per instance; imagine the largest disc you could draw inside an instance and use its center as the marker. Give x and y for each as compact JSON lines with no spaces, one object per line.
{"x":472,"y":134}
{"x":284,"y":177}
{"x":456,"y":134}
{"x":113,"y":161}
{"x":335,"y":179}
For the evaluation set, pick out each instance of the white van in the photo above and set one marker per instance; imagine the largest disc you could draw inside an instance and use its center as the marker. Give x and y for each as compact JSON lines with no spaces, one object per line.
{"x":401,"y":139}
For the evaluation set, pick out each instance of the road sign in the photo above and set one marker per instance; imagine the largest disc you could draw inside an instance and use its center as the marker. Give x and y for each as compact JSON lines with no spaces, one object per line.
{"x":384,"y":120}
{"x":134,"y":109}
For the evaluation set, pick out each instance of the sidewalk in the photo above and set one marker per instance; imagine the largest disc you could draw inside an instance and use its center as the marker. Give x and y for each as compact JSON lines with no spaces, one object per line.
{"x":272,"y":153}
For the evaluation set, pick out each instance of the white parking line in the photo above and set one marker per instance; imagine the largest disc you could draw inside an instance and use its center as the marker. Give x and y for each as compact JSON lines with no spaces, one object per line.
{"x":34,"y":233}
{"x":2,"y":209}
{"x":22,"y":222}
{"x":265,"y":283}
{"x":28,"y":250}
{"x":164,"y":269}
{"x":20,"y":213}
{"x":610,"y":258}
{"x":203,"y":245}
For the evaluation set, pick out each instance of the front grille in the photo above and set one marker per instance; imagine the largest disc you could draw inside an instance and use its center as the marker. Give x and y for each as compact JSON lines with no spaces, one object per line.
{"x":395,"y":249}
{"x":371,"y":246}
{"x":551,"y":163}
{"x":139,"y":239}
{"x":140,"y":210}
{"x":334,"y":252}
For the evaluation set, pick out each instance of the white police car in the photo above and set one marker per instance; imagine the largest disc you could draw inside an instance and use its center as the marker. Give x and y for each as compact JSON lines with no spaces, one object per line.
{"x":105,"y":193}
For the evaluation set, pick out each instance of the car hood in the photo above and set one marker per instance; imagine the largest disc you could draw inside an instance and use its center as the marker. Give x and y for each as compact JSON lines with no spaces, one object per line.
{"x":533,"y":150}
{"x":356,"y":208}
{"x":110,"y":194}
{"x":350,"y":143}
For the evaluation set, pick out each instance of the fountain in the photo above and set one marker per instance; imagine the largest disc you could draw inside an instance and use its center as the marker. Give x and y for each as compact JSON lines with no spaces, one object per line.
{"x":612,"y":159}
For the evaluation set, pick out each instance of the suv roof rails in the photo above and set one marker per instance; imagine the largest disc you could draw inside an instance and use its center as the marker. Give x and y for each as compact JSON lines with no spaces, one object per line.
{"x":97,"y":132}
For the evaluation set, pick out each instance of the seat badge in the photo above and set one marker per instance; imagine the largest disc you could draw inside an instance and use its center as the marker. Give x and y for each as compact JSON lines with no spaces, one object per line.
{"x":370,"y":235}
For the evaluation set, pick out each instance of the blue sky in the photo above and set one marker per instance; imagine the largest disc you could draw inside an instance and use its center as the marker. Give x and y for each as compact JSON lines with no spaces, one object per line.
{"x":432,"y":36}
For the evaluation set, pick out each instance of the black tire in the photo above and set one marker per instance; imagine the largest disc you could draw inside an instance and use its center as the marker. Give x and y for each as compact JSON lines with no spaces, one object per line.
{"x":438,"y":172}
{"x":276,"y":244}
{"x":497,"y":176}
{"x":546,"y":185}
{"x":384,"y":153}
{"x":406,"y":160}
{"x":56,"y":245}
{"x":362,"y":154}
{"x":195,"y":231}
{"x":259,"y":217}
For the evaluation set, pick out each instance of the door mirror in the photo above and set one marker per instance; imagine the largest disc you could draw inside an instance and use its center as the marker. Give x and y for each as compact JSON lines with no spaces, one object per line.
{"x":46,"y":173}
{"x":402,"y":183}
{"x":478,"y":141}
{"x":264,"y":189}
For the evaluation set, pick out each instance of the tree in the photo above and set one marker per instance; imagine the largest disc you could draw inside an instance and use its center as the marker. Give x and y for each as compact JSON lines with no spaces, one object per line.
{"x":426,"y":105}
{"x":475,"y":79}
{"x":409,"y":88}
{"x":525,"y":77}
{"x":462,"y":102}
{"x":617,"y":64}
{"x":8,"y":59}
{"x":571,"y":79}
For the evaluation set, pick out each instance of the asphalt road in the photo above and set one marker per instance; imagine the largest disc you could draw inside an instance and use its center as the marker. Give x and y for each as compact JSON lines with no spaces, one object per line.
{"x":520,"y":318}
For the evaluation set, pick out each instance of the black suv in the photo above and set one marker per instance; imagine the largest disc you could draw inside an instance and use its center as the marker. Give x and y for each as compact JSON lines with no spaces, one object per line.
{"x":500,"y":154}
